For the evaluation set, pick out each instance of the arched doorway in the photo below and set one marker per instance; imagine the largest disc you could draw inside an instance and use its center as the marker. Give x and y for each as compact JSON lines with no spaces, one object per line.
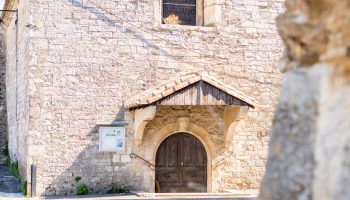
{"x":181,"y":164}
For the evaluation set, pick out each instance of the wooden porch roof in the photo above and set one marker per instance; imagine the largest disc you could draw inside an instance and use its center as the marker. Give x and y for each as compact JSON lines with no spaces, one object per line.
{"x":193,"y":89}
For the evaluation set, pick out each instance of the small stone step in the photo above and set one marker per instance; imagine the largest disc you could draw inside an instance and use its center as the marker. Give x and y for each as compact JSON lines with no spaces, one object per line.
{"x":192,"y":195}
{"x":8,"y":184}
{"x":8,"y":178}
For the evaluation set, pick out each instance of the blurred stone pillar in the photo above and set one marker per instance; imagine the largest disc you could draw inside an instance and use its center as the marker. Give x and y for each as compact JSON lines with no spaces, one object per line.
{"x":309,"y":152}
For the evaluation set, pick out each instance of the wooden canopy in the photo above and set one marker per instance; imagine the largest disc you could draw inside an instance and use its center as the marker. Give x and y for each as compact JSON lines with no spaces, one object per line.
{"x":193,"y":89}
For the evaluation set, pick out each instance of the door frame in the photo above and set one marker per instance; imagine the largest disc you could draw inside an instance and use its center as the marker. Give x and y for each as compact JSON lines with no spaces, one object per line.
{"x":207,"y":150}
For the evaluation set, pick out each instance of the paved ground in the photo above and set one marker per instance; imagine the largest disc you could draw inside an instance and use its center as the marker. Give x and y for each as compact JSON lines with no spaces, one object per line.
{"x":124,"y":197}
{"x":128,"y":197}
{"x":9,"y":185}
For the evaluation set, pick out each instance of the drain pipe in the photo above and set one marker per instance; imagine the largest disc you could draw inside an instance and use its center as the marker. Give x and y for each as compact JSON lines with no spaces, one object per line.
{"x":32,"y":181}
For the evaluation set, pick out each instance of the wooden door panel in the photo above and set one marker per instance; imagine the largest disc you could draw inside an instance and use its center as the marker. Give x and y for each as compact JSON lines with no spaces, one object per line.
{"x":171,"y":188}
{"x":181,"y":164}
{"x":168,"y":177}
{"x":194,"y":176}
{"x":172,"y":152}
{"x":192,"y":186}
{"x":188,"y":151}
{"x":161,"y":160}
{"x":201,"y":156}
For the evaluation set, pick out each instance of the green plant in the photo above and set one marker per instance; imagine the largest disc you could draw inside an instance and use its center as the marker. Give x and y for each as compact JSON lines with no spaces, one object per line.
{"x":82,"y":189}
{"x":14,"y":171}
{"x":23,"y":188}
{"x":118,"y":189}
{"x":77,"y":179}
{"x":5,"y":151}
{"x":7,"y":161}
{"x":6,"y":154}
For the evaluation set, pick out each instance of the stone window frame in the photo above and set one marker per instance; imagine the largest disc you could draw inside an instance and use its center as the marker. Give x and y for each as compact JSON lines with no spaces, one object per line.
{"x":208,"y":13}
{"x":199,"y":12}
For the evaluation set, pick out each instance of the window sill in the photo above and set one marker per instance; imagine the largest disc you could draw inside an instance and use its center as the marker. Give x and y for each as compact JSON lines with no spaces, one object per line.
{"x":175,"y":27}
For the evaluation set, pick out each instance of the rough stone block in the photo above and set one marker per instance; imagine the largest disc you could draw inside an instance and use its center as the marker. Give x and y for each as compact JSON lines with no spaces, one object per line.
{"x":116,"y":158}
{"x":125,"y":158}
{"x":75,"y":70}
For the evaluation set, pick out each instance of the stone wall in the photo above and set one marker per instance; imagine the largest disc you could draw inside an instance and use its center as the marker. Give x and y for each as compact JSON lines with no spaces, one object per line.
{"x":3,"y":117}
{"x":239,"y":167}
{"x":17,"y":75}
{"x":87,"y":57}
{"x":309,"y":149}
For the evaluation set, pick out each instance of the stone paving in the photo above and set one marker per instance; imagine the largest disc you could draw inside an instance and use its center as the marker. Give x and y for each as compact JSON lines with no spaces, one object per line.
{"x":10,"y":189}
{"x":9,"y":185}
{"x":127,"y":197}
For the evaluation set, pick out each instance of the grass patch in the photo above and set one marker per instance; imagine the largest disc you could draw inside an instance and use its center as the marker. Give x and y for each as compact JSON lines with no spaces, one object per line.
{"x":5,"y":151}
{"x":13,"y":167}
{"x":23,"y":188}
{"x":82,"y":189}
{"x":77,"y":179}
{"x":14,"y":170}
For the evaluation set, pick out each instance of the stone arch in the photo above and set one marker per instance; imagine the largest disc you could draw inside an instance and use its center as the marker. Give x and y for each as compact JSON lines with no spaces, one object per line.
{"x":183,"y":125}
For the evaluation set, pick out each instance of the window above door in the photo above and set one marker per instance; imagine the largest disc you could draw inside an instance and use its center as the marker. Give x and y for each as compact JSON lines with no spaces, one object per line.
{"x":182,"y":12}
{"x":188,"y":12}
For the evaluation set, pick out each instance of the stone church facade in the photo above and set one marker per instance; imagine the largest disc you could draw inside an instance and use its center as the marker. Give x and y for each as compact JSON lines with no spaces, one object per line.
{"x":196,"y":99}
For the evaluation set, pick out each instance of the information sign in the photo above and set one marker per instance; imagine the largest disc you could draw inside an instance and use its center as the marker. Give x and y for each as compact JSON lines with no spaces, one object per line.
{"x":112,"y":139}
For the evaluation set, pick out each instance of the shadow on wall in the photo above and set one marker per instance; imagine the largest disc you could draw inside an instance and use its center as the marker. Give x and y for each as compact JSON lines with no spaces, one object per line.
{"x":3,"y":116}
{"x":99,"y":171}
{"x":120,"y":28}
{"x":96,"y":169}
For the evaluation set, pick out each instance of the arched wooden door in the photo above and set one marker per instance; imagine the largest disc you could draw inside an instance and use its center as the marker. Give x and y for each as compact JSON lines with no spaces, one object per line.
{"x":181,"y":164}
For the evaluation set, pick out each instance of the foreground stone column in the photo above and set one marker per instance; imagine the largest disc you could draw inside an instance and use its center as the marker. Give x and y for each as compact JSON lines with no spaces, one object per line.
{"x":309,"y":153}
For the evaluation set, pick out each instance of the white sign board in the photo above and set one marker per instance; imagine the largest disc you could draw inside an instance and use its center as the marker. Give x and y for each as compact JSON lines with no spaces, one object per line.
{"x":112,"y":139}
